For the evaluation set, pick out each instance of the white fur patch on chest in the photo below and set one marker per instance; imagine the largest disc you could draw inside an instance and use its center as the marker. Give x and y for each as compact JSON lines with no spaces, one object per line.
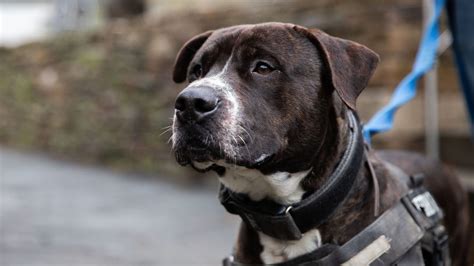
{"x":276,"y":251}
{"x":282,"y":187}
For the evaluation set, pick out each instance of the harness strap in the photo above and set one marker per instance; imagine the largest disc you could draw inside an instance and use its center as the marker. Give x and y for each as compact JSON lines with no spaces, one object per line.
{"x":389,"y":226}
{"x":393,"y":237}
{"x":323,"y":256}
{"x":375,"y":183}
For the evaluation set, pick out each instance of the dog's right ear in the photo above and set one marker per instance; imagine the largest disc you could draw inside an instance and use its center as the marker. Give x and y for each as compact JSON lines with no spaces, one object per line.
{"x":186,"y":54}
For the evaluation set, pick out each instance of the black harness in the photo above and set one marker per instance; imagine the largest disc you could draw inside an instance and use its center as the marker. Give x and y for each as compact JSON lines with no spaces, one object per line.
{"x":408,"y":233}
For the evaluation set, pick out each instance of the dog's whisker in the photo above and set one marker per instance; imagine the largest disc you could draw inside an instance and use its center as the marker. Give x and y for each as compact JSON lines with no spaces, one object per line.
{"x":243,"y":141}
{"x":245,"y":145}
{"x":211,"y":139}
{"x":220,"y":148}
{"x":206,"y":141}
{"x":246,"y":132}
{"x":234,"y":154}
{"x":235,"y":140}
{"x":166,"y":131}
{"x":170,"y":140}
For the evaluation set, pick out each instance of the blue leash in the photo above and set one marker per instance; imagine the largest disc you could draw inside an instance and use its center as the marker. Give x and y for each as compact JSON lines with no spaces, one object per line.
{"x":425,"y":58}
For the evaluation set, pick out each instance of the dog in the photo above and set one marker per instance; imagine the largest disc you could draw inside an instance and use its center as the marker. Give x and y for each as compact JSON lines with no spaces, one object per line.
{"x":267,"y":108}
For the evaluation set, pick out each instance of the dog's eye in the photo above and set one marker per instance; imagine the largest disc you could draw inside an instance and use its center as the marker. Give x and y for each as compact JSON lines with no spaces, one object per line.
{"x":196,"y":72}
{"x":263,"y":68}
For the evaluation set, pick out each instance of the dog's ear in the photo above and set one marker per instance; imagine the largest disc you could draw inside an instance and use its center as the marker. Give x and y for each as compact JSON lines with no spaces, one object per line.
{"x":186,"y":54}
{"x":350,"y":64}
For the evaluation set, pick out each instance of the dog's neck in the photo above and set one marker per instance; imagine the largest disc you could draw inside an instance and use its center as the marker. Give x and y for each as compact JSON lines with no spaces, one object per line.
{"x":285,"y":188}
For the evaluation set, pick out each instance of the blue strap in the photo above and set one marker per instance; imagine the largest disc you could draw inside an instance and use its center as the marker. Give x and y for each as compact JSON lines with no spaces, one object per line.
{"x":383,"y":120}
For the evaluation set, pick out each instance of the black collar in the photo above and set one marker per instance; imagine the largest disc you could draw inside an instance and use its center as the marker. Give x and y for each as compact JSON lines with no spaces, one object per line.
{"x":290,"y":222}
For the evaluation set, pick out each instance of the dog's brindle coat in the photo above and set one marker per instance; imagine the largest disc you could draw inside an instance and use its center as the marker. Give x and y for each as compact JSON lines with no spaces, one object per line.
{"x":266,"y":109}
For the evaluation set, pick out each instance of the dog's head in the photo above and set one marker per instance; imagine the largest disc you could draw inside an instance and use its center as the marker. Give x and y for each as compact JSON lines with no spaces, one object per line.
{"x":259,"y":95}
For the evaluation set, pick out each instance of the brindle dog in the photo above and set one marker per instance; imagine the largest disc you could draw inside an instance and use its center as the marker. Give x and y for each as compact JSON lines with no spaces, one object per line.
{"x":266,"y":109}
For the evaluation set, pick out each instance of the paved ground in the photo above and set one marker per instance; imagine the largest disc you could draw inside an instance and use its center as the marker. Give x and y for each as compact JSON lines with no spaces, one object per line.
{"x":56,"y":213}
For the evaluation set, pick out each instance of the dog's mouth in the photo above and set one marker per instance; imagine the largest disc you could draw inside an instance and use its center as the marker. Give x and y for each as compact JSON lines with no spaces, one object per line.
{"x":220,"y":165}
{"x":206,"y":152}
{"x":204,"y":159}
{"x":195,"y":150}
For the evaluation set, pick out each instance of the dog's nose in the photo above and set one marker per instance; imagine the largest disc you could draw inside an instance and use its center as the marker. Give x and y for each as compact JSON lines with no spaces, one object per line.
{"x":195,"y":104}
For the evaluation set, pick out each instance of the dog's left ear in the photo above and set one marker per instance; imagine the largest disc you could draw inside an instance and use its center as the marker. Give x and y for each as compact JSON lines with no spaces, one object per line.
{"x":350,"y":64}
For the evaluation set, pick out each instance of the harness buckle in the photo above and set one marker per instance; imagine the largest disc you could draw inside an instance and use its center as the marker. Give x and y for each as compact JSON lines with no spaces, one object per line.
{"x":283,"y":224}
{"x":425,"y":203}
{"x":279,"y":224}
{"x":417,"y":180}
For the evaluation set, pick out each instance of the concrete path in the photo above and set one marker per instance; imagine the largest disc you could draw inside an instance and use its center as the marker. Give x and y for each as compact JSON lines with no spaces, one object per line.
{"x":56,"y":213}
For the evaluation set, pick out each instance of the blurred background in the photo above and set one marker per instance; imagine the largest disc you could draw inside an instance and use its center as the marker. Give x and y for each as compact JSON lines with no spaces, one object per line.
{"x":86,"y":172}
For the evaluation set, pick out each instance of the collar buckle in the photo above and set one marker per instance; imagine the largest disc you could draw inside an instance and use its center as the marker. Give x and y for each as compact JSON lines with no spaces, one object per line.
{"x":283,"y":226}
